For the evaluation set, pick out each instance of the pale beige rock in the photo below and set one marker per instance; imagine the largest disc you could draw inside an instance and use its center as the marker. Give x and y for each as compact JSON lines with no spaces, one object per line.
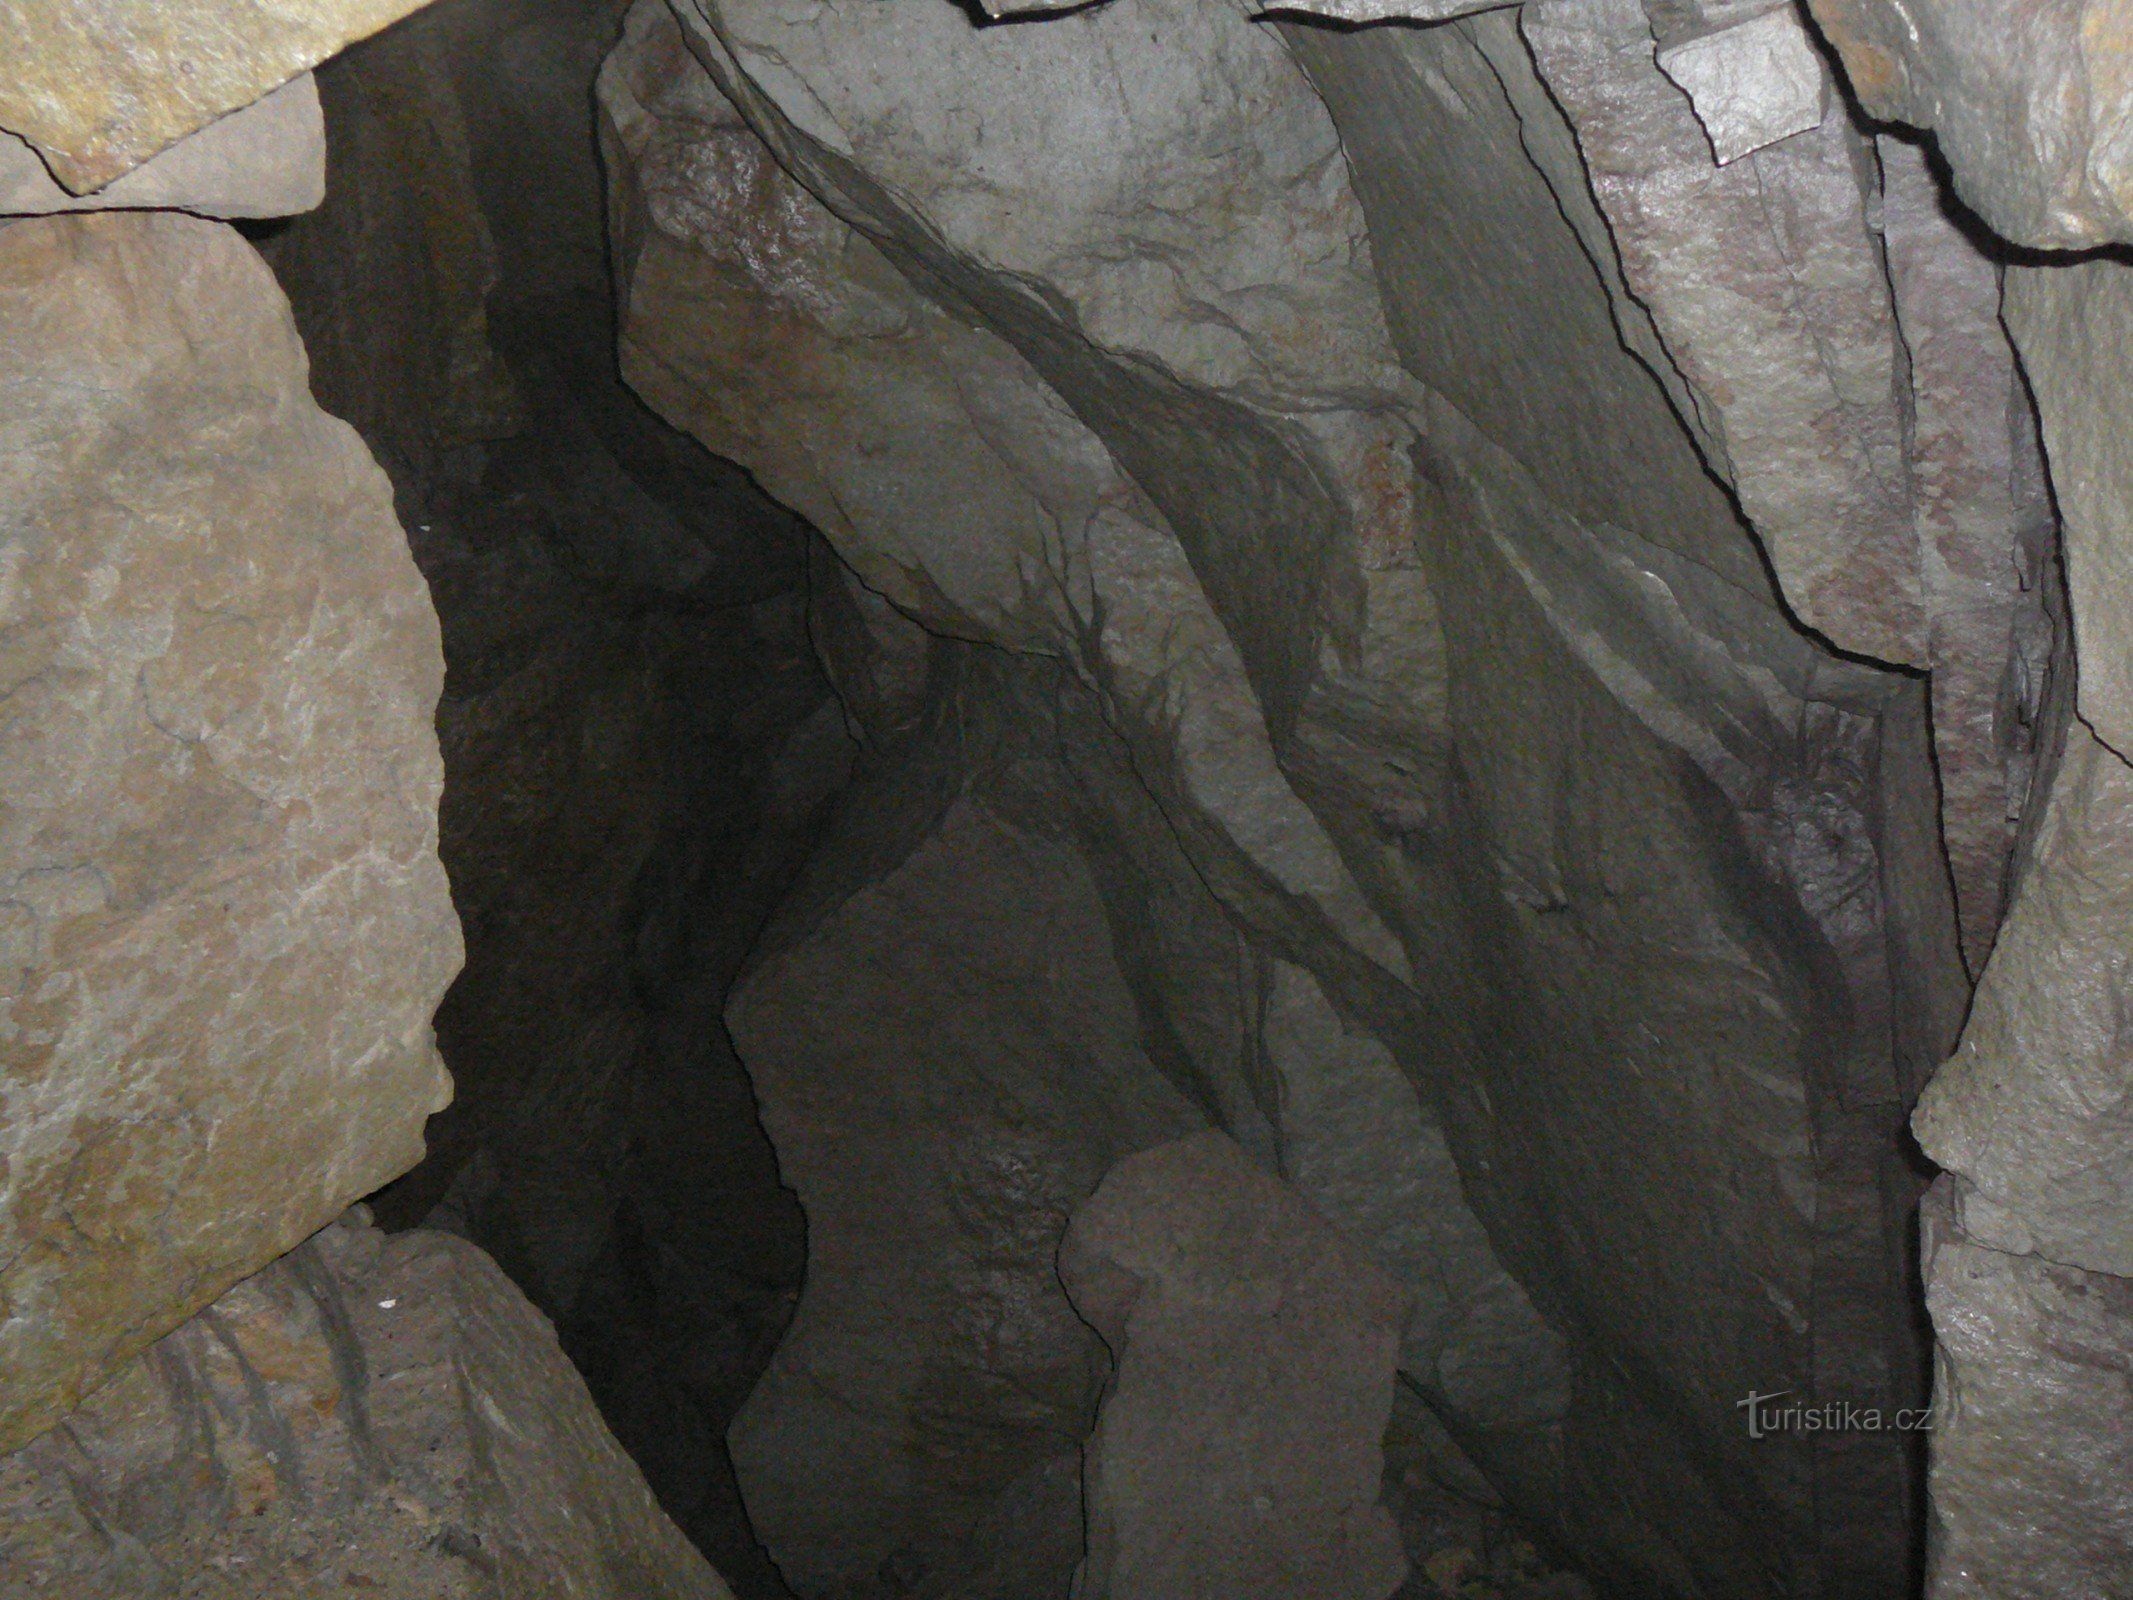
{"x":267,"y":160}
{"x":96,"y":87}
{"x":366,"y":1415}
{"x":226,"y":927}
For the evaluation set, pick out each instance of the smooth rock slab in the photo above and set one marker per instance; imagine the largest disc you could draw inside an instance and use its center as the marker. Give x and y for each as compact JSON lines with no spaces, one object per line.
{"x":1239,"y":1448}
{"x":223,"y":923}
{"x":268,"y":160}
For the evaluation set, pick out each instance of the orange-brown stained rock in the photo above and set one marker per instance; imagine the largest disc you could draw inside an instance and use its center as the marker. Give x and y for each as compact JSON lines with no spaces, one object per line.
{"x":99,"y":86}
{"x":223,"y":924}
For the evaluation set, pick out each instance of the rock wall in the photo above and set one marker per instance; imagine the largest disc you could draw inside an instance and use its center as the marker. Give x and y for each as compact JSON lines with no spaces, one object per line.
{"x":1423,"y":578}
{"x":2026,"y":1257}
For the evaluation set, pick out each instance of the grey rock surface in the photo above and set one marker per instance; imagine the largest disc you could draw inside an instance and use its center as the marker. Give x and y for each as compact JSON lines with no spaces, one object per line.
{"x":2033,"y":1116}
{"x":2073,"y":325}
{"x":266,"y":160}
{"x":224,"y":924}
{"x":368,"y":1414}
{"x":1239,"y":1446}
{"x":948,"y":1058}
{"x":1986,"y":532}
{"x":2033,"y":1423}
{"x":1778,"y":317}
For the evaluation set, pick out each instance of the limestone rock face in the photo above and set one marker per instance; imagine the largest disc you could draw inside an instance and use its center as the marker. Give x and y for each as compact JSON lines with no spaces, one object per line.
{"x":2028,"y":100}
{"x":371,"y":1415}
{"x":97,"y":87}
{"x":268,"y":160}
{"x":1239,"y":1446}
{"x":223,"y":920}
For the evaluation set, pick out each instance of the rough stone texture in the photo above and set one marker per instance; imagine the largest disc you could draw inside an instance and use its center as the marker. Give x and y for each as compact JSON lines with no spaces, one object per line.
{"x":2033,"y":1116}
{"x":1986,"y":533}
{"x":2028,"y":99}
{"x":267,"y":160}
{"x":1648,"y":856}
{"x":97,"y":87}
{"x":1776,"y":314}
{"x":2074,"y":327}
{"x":1357,"y":1143}
{"x":225,"y":926}
{"x":1752,"y":82}
{"x":1239,"y":1446}
{"x":367,"y":1415}
{"x":2033,"y":1426}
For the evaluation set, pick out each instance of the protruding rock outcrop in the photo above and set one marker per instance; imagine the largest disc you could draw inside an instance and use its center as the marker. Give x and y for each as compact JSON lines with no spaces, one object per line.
{"x":223,"y":925}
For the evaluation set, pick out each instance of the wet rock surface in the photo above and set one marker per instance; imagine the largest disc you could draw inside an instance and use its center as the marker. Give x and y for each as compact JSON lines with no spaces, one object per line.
{"x":369,"y":1414}
{"x":225,"y":927}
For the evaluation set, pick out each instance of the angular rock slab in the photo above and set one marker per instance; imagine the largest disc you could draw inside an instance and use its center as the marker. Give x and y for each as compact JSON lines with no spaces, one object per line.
{"x":223,"y":923}
{"x":2029,"y":101}
{"x":2032,"y":1441}
{"x":367,"y":1415}
{"x":268,"y":160}
{"x":1753,"y":83}
{"x":96,"y":87}
{"x":1239,"y":1448}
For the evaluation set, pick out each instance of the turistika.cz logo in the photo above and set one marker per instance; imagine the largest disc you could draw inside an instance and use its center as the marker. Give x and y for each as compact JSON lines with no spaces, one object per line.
{"x":1766,"y":1417}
